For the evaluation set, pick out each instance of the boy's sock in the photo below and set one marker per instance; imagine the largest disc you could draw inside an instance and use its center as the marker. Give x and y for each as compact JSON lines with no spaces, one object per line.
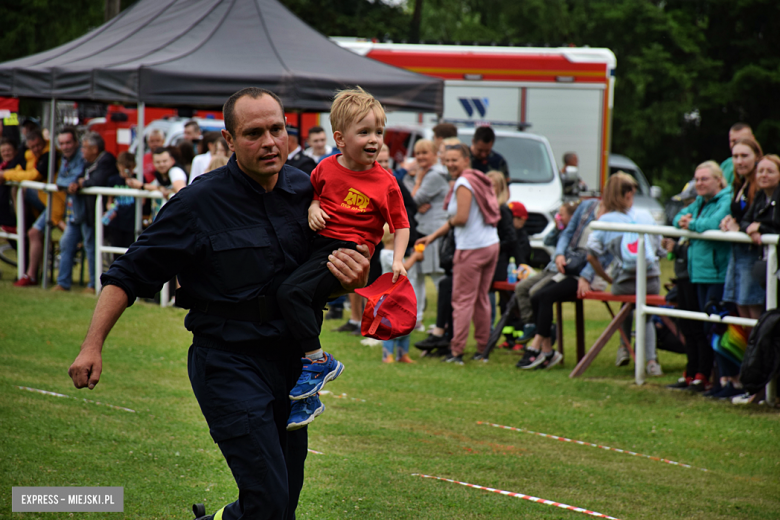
{"x":315,"y":355}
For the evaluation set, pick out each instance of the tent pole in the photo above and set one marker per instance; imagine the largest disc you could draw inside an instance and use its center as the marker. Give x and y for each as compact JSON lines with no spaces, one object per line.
{"x":49,"y":196}
{"x":139,"y":165}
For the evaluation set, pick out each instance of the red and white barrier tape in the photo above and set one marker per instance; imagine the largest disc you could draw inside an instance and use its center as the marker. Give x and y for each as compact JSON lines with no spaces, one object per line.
{"x":583,"y":443}
{"x":524,"y":497}
{"x":55,"y":394}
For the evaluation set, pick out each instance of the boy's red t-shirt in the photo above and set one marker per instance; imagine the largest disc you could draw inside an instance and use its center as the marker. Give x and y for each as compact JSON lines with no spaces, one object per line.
{"x":358,"y":203}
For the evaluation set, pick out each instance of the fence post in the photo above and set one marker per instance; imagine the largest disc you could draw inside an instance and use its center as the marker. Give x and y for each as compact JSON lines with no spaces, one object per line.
{"x":771,"y":303}
{"x":49,"y":196}
{"x":98,"y":242}
{"x":639,"y":313}
{"x":21,"y":242}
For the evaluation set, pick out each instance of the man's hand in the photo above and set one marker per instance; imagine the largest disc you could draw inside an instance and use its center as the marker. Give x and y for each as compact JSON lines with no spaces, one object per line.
{"x":560,"y":263}
{"x":86,"y":369}
{"x":317,"y":217}
{"x":755,"y":236}
{"x":668,"y":244}
{"x":753,"y":228}
{"x":398,"y":270}
{"x":422,"y":209}
{"x":350,"y":267}
{"x":73,"y":187}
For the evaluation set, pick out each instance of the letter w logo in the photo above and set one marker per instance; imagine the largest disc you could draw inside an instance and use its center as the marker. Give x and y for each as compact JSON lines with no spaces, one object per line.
{"x":470,"y":105}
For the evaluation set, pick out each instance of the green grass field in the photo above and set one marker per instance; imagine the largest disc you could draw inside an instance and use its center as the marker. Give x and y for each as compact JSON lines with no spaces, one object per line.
{"x":405,"y":419}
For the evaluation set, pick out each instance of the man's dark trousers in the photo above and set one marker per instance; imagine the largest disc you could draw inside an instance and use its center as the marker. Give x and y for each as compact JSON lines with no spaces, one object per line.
{"x":245,"y":400}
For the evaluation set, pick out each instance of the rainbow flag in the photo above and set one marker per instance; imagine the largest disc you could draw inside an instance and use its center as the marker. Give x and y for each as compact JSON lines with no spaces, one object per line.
{"x":732,"y":343}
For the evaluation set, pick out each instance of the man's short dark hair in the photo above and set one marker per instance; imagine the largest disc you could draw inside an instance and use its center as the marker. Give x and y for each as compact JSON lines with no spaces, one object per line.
{"x":736,"y":127}
{"x":568,"y":156}
{"x":484,"y":134}
{"x":316,"y":130}
{"x":445,"y":130}
{"x":229,"y":112}
{"x":72,"y":131}
{"x":161,"y":150}
{"x":94,"y":139}
{"x":5,"y":140}
{"x":34,"y":134}
{"x":30,"y":125}
{"x":192,"y":123}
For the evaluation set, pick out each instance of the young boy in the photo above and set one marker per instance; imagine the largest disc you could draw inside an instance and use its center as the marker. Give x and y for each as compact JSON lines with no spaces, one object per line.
{"x":353,"y":198}
{"x":386,"y":257}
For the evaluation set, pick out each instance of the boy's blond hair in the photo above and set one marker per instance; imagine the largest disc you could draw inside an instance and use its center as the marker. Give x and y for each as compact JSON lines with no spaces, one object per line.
{"x":353,"y":105}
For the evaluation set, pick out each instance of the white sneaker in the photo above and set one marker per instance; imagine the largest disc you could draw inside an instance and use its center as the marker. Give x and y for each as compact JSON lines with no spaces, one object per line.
{"x":623,"y":357}
{"x":420,"y":327}
{"x":654,"y":369}
{"x":742,"y":399}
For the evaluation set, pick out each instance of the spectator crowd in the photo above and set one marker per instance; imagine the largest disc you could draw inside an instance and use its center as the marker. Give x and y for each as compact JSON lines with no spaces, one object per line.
{"x":465,"y":235}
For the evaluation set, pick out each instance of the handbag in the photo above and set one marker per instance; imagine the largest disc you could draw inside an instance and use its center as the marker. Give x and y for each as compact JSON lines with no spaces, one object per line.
{"x":447,"y":251}
{"x":575,"y":262}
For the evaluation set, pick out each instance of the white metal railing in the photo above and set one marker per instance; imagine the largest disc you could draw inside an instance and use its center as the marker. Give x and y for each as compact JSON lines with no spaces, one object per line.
{"x":100,"y":192}
{"x":642,"y":309}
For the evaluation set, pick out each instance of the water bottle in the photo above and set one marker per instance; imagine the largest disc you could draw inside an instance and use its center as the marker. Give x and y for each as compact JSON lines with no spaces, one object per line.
{"x":511,"y":271}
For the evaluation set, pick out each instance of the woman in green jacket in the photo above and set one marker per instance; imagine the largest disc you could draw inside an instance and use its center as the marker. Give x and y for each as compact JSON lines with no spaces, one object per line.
{"x":707,"y":259}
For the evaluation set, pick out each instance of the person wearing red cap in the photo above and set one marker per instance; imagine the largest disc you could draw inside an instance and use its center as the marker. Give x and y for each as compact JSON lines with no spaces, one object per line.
{"x":520,"y":215}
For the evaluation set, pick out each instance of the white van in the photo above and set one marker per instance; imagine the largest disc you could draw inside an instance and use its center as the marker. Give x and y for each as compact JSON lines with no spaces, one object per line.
{"x":533,"y":173}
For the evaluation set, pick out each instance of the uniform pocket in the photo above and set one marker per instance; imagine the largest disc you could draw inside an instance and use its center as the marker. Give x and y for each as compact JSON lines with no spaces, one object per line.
{"x":244,"y":456}
{"x":242,"y":257}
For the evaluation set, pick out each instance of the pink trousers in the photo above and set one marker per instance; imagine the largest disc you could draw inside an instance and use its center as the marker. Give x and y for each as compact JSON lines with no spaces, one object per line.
{"x":472,"y":275}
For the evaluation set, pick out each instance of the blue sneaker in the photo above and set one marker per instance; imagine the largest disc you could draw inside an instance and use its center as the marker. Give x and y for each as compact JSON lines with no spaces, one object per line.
{"x":304,"y":411}
{"x":314,"y":376}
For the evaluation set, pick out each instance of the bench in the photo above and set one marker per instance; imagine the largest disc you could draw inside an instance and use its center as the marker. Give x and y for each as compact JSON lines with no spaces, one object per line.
{"x":580,"y":321}
{"x":584,"y":361}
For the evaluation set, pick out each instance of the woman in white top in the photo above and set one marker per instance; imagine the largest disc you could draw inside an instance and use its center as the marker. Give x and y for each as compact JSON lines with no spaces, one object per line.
{"x":473,"y":214}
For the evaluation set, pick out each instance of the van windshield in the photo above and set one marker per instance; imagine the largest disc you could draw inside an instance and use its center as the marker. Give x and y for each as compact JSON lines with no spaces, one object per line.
{"x":527,"y":159}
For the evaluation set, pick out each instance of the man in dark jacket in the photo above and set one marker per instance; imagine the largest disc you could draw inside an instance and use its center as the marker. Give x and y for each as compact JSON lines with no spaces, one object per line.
{"x":297,"y":159}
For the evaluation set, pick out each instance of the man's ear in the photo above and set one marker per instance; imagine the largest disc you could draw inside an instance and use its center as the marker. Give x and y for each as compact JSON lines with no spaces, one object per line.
{"x":229,"y":139}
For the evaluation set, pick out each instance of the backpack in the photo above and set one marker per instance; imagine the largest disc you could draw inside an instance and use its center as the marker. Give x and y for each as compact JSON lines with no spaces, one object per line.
{"x":761,"y":363}
{"x":629,"y":249}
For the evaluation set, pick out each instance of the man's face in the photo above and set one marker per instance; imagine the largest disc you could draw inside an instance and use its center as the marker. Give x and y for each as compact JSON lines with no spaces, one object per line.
{"x":192,"y":133}
{"x":89,"y":152}
{"x":481,"y":150}
{"x":162,"y":162}
{"x":734,"y":136}
{"x":67,"y":144}
{"x":317,"y":142}
{"x":574,"y":161}
{"x":156,"y":140}
{"x":260,"y":137}
{"x":36,"y":146}
{"x":7,"y":152}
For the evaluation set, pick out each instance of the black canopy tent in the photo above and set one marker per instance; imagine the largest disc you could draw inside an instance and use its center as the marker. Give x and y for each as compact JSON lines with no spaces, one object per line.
{"x":197,"y":53}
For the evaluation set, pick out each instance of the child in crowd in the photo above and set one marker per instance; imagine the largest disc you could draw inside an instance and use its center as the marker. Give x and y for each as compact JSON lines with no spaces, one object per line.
{"x":353,"y":198}
{"x":120,"y":217}
{"x":401,"y":345}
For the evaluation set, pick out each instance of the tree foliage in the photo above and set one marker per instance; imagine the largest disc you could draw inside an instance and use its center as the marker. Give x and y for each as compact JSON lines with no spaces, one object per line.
{"x":687,"y":69}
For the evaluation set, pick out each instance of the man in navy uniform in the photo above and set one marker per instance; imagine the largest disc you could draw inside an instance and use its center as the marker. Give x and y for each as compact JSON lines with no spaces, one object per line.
{"x":232,"y":237}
